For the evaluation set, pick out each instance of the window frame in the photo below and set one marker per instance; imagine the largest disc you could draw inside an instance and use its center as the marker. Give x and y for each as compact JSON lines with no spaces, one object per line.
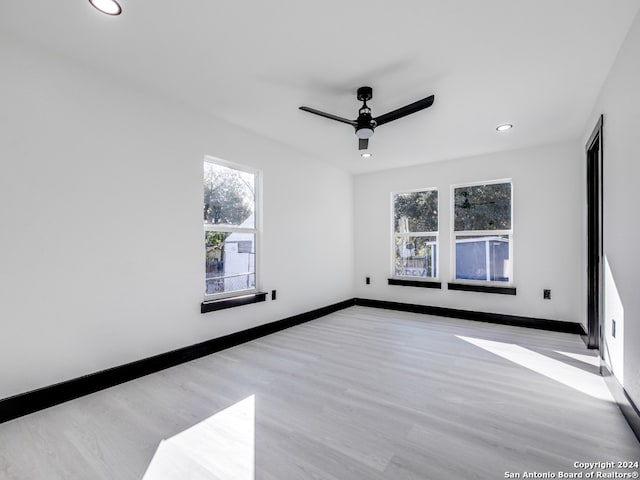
{"x":394,"y":234}
{"x":480,"y":233}
{"x":255,"y":230}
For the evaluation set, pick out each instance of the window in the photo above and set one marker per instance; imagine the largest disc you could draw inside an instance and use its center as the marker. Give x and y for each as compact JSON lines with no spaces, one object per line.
{"x":230,"y":229}
{"x":483,"y":230}
{"x":415,"y":234}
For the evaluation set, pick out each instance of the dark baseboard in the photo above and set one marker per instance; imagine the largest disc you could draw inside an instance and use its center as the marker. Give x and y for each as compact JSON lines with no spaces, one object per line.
{"x":620,"y":395}
{"x":538,"y":323}
{"x":29,"y":402}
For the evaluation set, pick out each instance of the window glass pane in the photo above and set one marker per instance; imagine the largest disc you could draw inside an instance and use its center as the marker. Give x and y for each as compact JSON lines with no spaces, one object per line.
{"x":483,"y":207}
{"x":230,"y":262}
{"x":415,"y":212}
{"x":415,"y":256}
{"x":229,"y":196}
{"x":483,"y":258}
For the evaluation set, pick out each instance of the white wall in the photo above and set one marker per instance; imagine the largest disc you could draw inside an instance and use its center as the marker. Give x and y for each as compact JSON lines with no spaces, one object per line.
{"x":101,"y":239}
{"x":620,"y":103}
{"x":548,"y":195}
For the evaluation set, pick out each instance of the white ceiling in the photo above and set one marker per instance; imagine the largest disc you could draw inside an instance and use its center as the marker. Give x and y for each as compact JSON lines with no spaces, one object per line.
{"x":537,"y":64}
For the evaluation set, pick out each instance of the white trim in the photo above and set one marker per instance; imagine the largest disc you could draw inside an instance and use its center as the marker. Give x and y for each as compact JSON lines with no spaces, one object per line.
{"x":413,"y":190}
{"x":235,"y":293}
{"x":232,"y":165}
{"x":416,"y":234}
{"x":209,"y":227}
{"x":484,"y":182}
{"x":483,"y":233}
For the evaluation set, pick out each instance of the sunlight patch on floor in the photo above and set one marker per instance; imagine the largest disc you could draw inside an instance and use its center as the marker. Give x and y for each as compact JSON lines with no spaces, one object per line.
{"x":576,"y":378}
{"x":220,"y":447}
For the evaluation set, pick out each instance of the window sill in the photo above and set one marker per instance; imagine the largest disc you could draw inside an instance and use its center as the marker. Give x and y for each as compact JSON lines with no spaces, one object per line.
{"x":213,"y":305}
{"x":482,"y":288}
{"x":414,"y":283}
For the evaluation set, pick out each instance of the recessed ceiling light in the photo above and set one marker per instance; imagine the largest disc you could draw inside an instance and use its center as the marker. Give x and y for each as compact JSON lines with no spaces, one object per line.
{"x":366,"y":155}
{"x":504,"y":127}
{"x":110,"y":7}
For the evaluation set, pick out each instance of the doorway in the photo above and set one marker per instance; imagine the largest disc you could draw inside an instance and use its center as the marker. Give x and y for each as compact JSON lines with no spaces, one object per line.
{"x":594,"y":236}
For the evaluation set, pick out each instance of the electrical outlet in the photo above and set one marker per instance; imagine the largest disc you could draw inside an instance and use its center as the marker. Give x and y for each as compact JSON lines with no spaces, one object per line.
{"x":368,"y":281}
{"x":546,"y":294}
{"x":273,"y":294}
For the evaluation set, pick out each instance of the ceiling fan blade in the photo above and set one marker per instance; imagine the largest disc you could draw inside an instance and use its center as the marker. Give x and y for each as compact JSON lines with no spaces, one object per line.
{"x":404,"y":111}
{"x":329,"y":116}
{"x":363,"y":143}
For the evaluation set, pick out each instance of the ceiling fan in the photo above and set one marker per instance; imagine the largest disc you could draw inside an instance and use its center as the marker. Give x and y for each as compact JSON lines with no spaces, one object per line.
{"x":365,"y":124}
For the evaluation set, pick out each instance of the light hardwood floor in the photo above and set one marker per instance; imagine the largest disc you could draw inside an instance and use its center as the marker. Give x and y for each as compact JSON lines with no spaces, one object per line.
{"x":359,"y":394}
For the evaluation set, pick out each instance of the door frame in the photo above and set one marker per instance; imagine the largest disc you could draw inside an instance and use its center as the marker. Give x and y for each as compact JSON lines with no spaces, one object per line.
{"x":595,"y":257}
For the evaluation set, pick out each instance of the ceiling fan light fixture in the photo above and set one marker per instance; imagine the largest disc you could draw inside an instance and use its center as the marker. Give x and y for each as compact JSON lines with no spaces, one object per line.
{"x":504,"y":127}
{"x":110,"y":7}
{"x":364,"y":133}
